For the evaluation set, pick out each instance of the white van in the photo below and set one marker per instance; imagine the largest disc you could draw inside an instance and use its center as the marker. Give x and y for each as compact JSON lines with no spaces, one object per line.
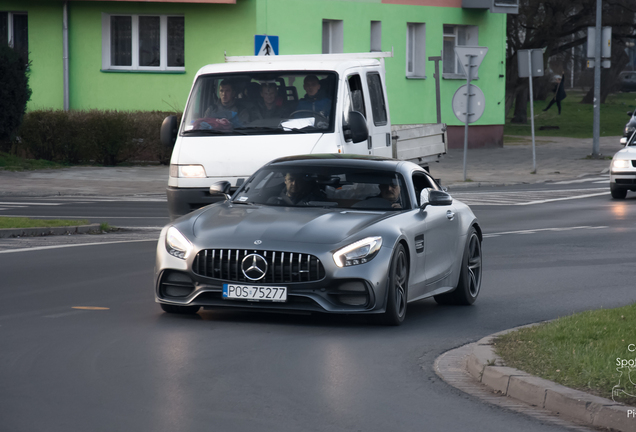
{"x":250,"y":110}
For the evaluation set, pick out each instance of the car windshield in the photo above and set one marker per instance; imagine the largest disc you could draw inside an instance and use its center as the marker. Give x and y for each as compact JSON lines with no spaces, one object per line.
{"x":330,"y":187}
{"x":261,"y":103}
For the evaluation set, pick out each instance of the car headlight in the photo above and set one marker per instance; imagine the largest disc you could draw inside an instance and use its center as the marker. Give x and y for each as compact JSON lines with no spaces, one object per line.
{"x":187,"y":171}
{"x":359,"y":252}
{"x":177,"y":244}
{"x":620,"y":163}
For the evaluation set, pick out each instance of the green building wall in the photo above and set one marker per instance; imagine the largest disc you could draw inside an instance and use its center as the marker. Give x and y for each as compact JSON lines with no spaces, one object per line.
{"x":211,"y":29}
{"x":45,"y":51}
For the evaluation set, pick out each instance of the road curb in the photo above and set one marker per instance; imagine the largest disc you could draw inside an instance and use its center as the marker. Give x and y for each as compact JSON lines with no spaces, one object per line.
{"x":32,"y":232}
{"x":488,"y":368}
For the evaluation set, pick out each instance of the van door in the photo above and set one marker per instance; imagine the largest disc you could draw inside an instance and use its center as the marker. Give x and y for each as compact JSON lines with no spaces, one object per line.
{"x":355,"y":100}
{"x":378,"y":121}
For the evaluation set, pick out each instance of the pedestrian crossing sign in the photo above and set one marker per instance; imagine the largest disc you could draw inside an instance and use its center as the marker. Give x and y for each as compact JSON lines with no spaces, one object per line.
{"x":265,"y":45}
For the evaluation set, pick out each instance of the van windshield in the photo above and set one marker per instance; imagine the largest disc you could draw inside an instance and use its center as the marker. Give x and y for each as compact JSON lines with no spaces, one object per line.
{"x":261,"y":103}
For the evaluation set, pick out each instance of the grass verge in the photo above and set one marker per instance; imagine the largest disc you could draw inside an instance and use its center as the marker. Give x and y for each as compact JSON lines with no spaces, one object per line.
{"x":10,"y":162}
{"x":593,"y":351}
{"x":22,"y":222}
{"x":576,"y":119}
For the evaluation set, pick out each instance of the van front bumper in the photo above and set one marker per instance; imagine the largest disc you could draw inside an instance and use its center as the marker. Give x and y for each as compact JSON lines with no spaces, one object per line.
{"x":182,"y":201}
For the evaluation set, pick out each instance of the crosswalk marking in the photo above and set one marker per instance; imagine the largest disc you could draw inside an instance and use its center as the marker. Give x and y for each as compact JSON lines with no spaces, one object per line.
{"x":584,"y":180}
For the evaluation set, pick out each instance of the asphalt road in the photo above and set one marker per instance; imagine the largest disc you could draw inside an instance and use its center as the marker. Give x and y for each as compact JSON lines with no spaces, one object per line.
{"x":131,"y":367}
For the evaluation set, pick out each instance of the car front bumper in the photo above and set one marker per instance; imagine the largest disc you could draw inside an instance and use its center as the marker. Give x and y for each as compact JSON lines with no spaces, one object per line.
{"x":349,"y":290}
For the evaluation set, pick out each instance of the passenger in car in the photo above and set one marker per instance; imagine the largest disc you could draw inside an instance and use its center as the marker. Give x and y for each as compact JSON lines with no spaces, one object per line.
{"x":271,"y":106}
{"x":228,"y":107}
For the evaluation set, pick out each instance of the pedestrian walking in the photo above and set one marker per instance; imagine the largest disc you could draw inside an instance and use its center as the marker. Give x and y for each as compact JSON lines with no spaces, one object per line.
{"x":559,"y":94}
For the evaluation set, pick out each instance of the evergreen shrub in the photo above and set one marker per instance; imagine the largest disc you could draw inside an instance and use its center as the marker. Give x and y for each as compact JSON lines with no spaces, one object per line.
{"x":14,"y":93}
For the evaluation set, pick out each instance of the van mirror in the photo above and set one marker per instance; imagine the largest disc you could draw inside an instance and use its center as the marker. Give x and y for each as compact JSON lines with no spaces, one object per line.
{"x":630,"y":113}
{"x":357,"y":129}
{"x":169,"y":131}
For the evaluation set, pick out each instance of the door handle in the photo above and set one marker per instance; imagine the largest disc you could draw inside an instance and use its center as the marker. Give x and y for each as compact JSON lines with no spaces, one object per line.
{"x":450,"y":215}
{"x":370,"y":143}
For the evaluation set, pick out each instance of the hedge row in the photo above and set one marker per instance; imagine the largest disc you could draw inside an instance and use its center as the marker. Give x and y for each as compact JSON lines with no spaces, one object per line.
{"x":94,"y":137}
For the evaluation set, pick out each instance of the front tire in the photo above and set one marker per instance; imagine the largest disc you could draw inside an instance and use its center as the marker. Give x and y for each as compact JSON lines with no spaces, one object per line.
{"x":398,"y":288}
{"x":181,"y":310}
{"x":469,"y":284}
{"x":616,"y":192}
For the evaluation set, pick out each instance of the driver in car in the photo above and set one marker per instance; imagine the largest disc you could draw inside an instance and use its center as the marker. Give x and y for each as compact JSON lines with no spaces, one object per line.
{"x":314,"y":99}
{"x":298,"y":191}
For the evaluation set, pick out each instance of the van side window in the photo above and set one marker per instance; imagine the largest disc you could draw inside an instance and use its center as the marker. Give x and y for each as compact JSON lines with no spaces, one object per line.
{"x":378,"y":107}
{"x":357,"y":98}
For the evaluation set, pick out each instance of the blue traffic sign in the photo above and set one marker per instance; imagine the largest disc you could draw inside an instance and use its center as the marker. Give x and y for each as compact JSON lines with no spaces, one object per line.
{"x":265,"y":45}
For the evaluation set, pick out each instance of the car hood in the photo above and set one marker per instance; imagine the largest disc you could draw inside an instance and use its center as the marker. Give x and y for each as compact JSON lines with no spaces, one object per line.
{"x":628,"y":152}
{"x":274,"y":224}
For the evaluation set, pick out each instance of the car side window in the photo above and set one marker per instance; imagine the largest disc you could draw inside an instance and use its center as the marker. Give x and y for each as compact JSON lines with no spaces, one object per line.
{"x":422,"y":181}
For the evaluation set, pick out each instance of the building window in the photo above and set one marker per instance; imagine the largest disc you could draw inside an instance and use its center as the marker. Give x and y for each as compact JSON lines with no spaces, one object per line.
{"x":14,"y":32}
{"x":415,"y":50}
{"x":143,"y":42}
{"x":456,"y":36}
{"x":332,"y":36}
{"x":376,"y":36}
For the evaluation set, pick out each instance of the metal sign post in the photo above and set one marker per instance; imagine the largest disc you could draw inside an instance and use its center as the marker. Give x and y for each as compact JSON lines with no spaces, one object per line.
{"x":534,"y":68}
{"x":534,"y":151}
{"x":470,"y":109}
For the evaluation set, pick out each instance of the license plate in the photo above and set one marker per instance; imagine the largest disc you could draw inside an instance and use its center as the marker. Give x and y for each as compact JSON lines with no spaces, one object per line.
{"x":254,"y":293}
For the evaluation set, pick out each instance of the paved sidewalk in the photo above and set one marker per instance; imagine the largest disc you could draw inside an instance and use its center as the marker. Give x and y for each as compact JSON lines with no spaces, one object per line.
{"x":557,"y":159}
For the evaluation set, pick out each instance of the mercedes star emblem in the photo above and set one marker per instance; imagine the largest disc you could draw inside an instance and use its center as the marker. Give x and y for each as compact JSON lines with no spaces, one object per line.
{"x":257,"y":242}
{"x":254,"y":267}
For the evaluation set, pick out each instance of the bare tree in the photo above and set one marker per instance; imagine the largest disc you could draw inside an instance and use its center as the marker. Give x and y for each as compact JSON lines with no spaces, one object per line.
{"x":558,"y":26}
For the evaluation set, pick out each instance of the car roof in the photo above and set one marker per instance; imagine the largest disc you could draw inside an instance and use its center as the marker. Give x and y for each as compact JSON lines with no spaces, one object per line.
{"x":339,"y":159}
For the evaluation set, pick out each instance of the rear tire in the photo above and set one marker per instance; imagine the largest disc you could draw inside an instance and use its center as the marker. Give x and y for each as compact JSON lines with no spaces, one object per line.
{"x":469,"y":284}
{"x":616,"y":192}
{"x":398,"y":288}
{"x":182,"y":310}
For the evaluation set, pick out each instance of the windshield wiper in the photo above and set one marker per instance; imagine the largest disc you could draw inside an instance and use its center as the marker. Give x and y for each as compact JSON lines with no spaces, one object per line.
{"x":212,"y":132}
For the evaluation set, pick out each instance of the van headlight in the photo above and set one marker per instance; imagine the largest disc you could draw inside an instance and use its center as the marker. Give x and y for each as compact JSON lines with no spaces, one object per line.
{"x":359,"y":252}
{"x":187,"y":171}
{"x":620,"y":163}
{"x":177,"y":244}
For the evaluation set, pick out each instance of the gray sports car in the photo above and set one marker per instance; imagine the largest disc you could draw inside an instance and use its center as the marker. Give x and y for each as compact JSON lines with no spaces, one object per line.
{"x":323,"y":233}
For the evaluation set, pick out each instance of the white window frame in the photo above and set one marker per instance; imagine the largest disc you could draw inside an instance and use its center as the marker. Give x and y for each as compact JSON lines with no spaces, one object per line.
{"x":416,"y":50}
{"x":163,"y":45}
{"x":332,"y":36}
{"x":471,"y":36}
{"x":11,"y":35}
{"x":376,"y":36}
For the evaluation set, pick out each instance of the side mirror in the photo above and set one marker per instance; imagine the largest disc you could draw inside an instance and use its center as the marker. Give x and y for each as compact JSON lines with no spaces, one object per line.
{"x":435,"y":198}
{"x":357,"y":129}
{"x":169,"y":131}
{"x":221,"y":188}
{"x":630,"y":113}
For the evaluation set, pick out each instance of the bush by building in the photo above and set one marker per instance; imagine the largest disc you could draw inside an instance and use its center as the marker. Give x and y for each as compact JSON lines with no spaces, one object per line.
{"x":92,"y":137}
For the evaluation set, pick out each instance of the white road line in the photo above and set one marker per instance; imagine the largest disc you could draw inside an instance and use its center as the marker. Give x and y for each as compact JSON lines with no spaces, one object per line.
{"x":73,"y":245}
{"x":89,"y":217}
{"x":534,"y":231}
{"x":565,"y":198}
{"x":30,"y":203}
{"x":582,"y":180}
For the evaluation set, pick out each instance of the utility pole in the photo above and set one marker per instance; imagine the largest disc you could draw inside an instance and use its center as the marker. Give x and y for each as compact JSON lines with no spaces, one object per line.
{"x":597,"y":82}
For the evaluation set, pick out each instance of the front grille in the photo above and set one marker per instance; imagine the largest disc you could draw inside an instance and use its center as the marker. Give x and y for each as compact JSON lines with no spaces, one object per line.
{"x":282,"y":267}
{"x":626,"y":181}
